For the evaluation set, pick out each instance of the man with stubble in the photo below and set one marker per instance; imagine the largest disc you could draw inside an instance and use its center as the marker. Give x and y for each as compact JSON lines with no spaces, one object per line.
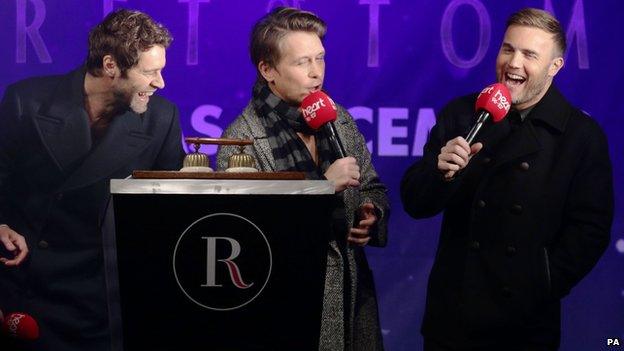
{"x":62,"y":138}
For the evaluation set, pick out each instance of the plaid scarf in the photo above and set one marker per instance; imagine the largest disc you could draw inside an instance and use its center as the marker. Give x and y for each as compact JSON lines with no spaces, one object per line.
{"x":282,"y":122}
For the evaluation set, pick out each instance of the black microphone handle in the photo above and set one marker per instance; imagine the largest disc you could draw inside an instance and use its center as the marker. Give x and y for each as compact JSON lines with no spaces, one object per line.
{"x":335,"y":140}
{"x":483,"y":117}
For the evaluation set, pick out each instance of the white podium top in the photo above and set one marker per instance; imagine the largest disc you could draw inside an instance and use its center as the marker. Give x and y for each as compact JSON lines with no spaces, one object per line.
{"x":225,"y":186}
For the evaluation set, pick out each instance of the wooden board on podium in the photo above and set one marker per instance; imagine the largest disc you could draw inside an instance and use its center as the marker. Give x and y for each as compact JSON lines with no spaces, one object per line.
{"x":218,"y":175}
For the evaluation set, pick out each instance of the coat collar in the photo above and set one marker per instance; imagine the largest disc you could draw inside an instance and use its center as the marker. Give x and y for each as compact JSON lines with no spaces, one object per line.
{"x":552,"y":109}
{"x":64,"y":128}
{"x":508,"y":145}
{"x":520,"y":142}
{"x":124,"y":140}
{"x":63,"y":123}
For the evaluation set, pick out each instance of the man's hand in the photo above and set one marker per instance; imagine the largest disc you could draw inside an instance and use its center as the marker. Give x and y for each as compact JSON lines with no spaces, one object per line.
{"x":344,"y":172}
{"x":360,"y":233}
{"x":455,"y":155}
{"x":14,"y":243}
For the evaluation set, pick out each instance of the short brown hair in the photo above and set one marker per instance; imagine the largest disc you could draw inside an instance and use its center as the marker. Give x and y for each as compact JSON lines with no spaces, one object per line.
{"x":124,"y":34}
{"x":543,"y":20}
{"x":268,"y":32}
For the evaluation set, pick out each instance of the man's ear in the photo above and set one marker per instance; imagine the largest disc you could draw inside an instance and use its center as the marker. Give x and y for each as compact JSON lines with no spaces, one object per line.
{"x":267,"y":71}
{"x":555,"y":66}
{"x":109,"y":66}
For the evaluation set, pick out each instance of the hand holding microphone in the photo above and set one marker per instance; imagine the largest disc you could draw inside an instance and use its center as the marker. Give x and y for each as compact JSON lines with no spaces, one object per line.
{"x":492,"y":103}
{"x":319,"y":111}
{"x":344,"y":173}
{"x":455,"y":155}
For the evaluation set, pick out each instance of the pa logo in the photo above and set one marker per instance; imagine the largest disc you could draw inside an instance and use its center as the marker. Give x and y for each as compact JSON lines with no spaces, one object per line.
{"x":222,"y":261}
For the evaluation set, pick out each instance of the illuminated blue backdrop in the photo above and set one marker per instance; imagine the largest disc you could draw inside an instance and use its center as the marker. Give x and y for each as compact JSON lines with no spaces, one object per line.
{"x":393,"y":63}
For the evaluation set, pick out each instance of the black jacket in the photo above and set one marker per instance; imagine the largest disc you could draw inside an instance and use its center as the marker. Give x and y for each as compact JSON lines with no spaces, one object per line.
{"x":524,"y":222}
{"x":54,"y":186}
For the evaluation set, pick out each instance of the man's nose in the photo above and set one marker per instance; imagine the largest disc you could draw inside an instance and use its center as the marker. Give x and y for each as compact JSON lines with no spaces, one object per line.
{"x":159,"y":81}
{"x":515,"y":61}
{"x":315,"y":70}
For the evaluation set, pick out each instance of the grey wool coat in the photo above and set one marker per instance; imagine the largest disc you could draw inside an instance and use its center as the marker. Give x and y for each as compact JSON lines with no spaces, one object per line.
{"x":363,"y":331}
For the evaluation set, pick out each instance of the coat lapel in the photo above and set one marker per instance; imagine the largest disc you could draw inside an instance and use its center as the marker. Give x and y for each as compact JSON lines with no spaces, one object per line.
{"x":63,"y":124}
{"x":261,"y":141}
{"x":124,"y":140}
{"x":523,"y":141}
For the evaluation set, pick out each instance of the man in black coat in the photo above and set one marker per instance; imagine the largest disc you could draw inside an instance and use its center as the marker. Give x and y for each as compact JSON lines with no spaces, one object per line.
{"x":62,"y":138}
{"x":527,"y":209}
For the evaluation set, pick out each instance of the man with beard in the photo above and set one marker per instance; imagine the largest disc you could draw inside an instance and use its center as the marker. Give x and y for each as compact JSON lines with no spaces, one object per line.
{"x":288,"y":53}
{"x":527,"y":208}
{"x":62,"y":138}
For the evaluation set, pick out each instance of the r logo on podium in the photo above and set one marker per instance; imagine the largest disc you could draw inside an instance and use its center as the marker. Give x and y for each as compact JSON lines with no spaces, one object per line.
{"x":211,"y":262}
{"x":222,"y":261}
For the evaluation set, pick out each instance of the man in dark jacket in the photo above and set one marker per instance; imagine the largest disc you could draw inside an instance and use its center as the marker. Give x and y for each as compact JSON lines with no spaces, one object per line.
{"x":527,"y":209}
{"x":62,"y":138}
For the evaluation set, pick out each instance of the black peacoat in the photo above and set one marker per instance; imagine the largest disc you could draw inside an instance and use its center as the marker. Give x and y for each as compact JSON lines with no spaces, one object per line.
{"x":523,"y":223}
{"x":54,"y":187}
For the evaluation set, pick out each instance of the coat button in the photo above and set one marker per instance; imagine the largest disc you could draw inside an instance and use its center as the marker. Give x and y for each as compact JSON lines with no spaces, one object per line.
{"x":516,"y":209}
{"x":481,"y":203}
{"x":42,"y":244}
{"x":524,"y":166}
{"x":59,"y":196}
{"x":486,"y":160}
{"x":510,"y":251}
{"x":506,"y":291}
{"x":475,"y":246}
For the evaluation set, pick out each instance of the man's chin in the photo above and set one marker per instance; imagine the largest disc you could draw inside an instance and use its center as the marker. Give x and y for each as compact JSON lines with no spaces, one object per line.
{"x":517,"y":96}
{"x":138,"y":108}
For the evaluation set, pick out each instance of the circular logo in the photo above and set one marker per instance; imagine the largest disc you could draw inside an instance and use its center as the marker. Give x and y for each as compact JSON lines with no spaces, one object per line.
{"x":222,"y":261}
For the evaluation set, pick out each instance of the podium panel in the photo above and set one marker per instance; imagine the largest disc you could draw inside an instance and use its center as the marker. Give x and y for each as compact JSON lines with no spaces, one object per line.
{"x":217,"y":265}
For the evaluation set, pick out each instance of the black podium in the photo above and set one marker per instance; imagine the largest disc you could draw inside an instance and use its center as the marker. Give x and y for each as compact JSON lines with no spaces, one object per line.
{"x":216,"y":264}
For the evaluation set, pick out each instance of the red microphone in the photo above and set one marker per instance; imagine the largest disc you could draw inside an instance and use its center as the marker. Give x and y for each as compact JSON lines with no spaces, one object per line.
{"x":319,"y":110}
{"x":20,"y":326}
{"x":493,"y":102}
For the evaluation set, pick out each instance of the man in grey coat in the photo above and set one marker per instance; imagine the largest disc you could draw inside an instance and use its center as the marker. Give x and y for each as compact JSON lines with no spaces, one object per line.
{"x":286,"y":49}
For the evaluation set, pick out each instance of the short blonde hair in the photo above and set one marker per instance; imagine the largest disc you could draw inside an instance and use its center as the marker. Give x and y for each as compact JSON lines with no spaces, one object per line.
{"x":543,"y":20}
{"x":268,"y":32}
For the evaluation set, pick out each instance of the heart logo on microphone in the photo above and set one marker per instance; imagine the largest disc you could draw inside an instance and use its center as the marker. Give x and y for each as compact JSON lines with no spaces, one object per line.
{"x":318,"y":109}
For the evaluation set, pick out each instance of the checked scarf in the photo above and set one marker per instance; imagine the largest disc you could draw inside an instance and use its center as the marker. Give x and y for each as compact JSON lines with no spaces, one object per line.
{"x":282,"y":122}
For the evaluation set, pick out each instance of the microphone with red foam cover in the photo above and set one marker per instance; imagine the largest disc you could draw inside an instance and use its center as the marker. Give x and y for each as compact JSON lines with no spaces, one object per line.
{"x":492,"y":103}
{"x":320,"y":111}
{"x":20,"y":326}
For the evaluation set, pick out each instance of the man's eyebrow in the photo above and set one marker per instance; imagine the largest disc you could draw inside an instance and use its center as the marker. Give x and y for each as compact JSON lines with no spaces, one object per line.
{"x":530,"y":52}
